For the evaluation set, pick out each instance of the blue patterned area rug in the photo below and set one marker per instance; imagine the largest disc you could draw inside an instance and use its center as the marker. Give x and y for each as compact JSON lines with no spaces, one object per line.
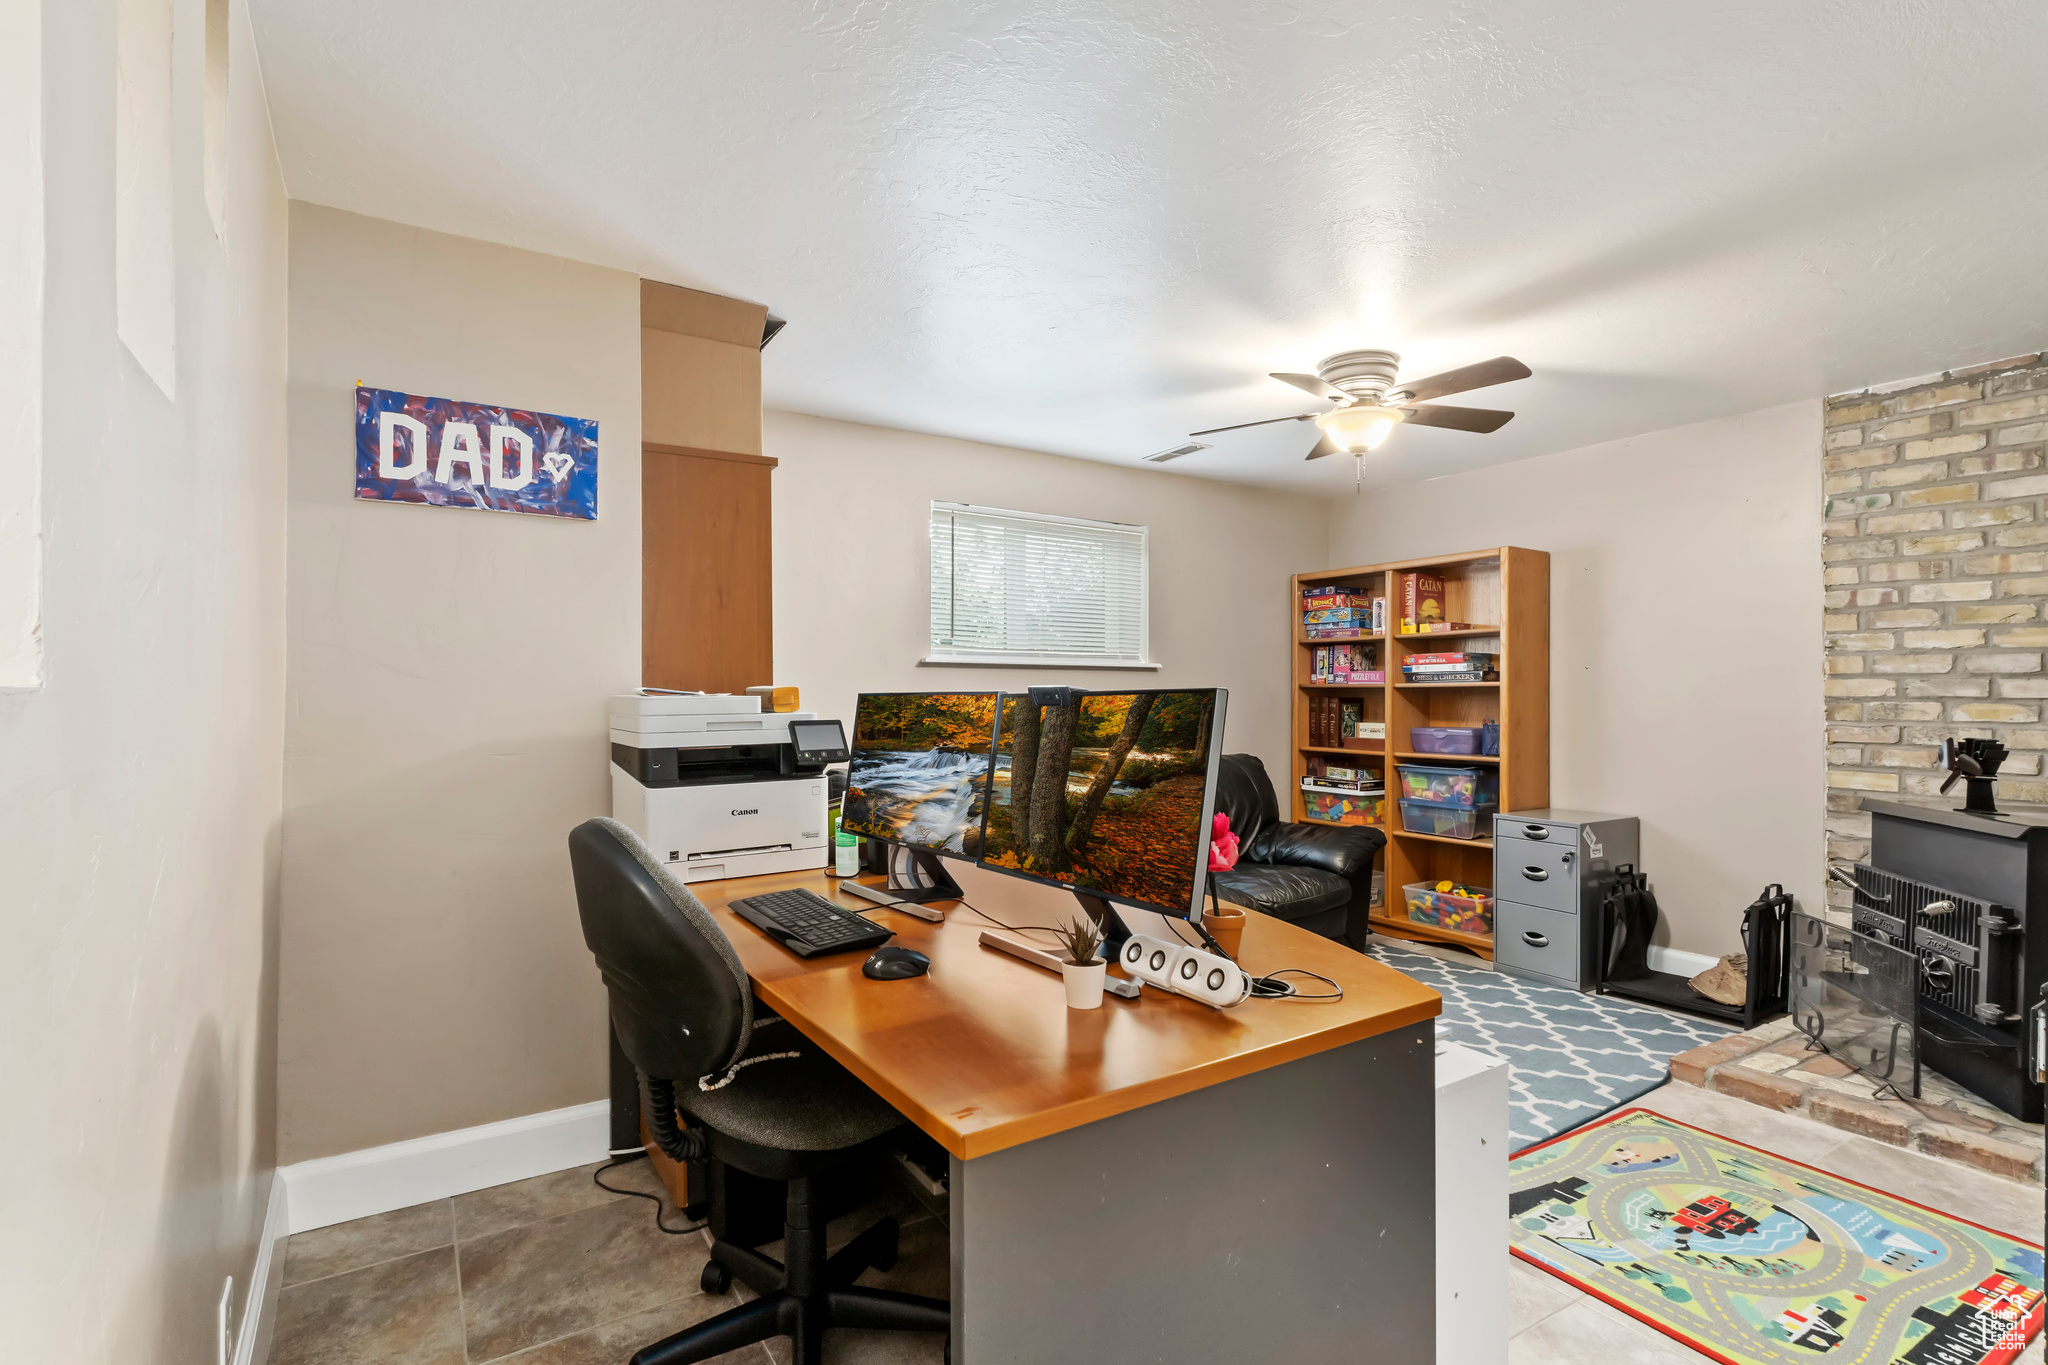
{"x":1571,"y":1057}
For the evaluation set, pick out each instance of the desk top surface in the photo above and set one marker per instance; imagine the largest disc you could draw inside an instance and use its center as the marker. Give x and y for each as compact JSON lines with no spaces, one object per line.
{"x":982,"y":1052}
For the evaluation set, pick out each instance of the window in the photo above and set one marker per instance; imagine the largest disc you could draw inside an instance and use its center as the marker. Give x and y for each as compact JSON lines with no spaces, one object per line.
{"x":1025,"y":588}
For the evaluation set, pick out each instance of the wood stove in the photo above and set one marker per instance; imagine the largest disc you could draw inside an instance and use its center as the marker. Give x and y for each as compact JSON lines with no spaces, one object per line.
{"x":1967,"y":893}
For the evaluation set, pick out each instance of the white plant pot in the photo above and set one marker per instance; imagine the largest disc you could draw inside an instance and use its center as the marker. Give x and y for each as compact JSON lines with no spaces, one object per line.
{"x":1084,"y":984}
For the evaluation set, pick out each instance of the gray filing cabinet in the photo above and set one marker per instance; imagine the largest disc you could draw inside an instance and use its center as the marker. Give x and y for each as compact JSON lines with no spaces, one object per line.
{"x":1551,"y":870}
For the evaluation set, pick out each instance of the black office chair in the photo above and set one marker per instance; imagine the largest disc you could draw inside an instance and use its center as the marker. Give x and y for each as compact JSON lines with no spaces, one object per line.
{"x":770,"y":1104}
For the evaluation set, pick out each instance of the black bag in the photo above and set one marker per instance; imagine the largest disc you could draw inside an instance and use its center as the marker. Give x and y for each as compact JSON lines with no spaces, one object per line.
{"x":1629,"y":917}
{"x":1767,"y":938}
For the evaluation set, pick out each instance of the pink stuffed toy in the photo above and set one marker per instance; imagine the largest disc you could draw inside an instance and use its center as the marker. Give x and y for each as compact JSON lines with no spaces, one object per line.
{"x":1222,"y":845}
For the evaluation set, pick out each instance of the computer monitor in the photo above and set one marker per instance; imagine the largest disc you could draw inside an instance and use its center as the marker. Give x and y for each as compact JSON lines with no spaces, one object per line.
{"x":918,"y":780}
{"x":1108,"y":794}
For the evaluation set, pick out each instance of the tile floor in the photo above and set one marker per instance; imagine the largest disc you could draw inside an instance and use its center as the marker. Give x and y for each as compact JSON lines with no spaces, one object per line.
{"x":549,"y":1271}
{"x":553,"y":1271}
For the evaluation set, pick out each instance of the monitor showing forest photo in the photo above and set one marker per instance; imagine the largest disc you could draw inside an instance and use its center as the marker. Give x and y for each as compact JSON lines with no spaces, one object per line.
{"x":920,"y":769}
{"x":1104,"y":794}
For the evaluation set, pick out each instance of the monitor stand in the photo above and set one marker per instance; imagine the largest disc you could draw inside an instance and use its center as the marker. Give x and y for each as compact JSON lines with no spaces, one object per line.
{"x":1116,"y":931}
{"x":907,"y":890}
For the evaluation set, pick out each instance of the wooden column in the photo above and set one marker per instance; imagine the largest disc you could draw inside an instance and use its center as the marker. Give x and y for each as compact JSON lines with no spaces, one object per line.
{"x":706,"y":610}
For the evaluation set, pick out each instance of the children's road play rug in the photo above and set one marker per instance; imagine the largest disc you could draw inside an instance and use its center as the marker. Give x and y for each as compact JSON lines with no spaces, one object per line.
{"x":1756,"y":1260}
{"x":1571,"y":1057}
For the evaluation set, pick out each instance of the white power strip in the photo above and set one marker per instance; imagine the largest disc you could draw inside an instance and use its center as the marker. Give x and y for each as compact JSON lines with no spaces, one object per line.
{"x":1215,"y":981}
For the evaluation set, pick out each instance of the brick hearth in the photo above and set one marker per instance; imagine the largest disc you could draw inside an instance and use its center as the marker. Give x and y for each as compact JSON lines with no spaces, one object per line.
{"x":1771,"y":1066}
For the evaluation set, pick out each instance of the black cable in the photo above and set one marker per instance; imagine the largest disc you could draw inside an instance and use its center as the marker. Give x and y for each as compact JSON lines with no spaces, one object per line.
{"x":1173,"y":923}
{"x":1269,"y":986}
{"x":1013,"y":928}
{"x":642,"y":1194}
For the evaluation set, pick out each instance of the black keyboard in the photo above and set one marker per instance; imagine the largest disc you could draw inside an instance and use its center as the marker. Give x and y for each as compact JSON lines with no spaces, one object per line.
{"x":809,"y":925}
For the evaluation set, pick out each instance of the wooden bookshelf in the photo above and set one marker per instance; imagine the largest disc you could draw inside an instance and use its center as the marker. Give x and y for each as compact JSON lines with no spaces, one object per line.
{"x":1505,"y":593}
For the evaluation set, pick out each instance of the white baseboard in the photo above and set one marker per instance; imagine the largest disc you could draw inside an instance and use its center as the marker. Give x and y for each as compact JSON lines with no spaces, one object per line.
{"x":336,"y":1189}
{"x":1678,"y":962}
{"x":259,"y":1301}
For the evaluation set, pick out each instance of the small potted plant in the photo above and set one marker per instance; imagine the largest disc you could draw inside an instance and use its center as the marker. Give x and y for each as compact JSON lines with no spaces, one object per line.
{"x":1081,"y":964}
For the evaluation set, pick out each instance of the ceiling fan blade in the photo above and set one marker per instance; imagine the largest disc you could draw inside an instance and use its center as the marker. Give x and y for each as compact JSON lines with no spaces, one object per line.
{"x":1486,"y":373}
{"x":1303,"y":417}
{"x":1308,"y":383}
{"x":1325,"y":447}
{"x":1457,"y":419}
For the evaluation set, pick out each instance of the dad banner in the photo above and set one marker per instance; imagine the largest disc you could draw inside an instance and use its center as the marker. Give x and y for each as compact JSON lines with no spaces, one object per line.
{"x":448,"y":453}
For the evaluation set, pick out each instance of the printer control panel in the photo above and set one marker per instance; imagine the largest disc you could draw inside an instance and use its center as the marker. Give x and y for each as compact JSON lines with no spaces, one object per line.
{"x":818,"y":742}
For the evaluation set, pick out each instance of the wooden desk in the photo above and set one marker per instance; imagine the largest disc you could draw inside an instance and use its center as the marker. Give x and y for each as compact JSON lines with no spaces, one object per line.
{"x":982,"y":1052}
{"x":1154,"y":1179}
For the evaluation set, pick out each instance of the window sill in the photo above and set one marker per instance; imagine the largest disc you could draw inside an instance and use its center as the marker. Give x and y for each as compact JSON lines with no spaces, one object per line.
{"x":1026,"y":661}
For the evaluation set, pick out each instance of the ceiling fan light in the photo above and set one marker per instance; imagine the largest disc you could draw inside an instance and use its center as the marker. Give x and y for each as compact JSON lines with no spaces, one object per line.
{"x":1359,"y":428}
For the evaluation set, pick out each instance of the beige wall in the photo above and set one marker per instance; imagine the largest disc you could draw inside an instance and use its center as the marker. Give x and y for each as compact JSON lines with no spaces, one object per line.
{"x":140,"y":784}
{"x":852,"y":568}
{"x":1685,"y":621}
{"x":447,"y":672}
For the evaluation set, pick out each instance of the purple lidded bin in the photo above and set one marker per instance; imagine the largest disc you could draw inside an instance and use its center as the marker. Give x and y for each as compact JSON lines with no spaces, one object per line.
{"x":1444,"y":739}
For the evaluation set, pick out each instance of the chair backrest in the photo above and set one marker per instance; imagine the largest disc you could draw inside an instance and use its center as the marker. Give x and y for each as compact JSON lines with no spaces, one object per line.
{"x":1245,"y":794}
{"x":680,"y":999}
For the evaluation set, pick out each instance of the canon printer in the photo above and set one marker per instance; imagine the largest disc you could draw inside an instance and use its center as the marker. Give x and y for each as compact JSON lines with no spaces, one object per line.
{"x":720,"y":788}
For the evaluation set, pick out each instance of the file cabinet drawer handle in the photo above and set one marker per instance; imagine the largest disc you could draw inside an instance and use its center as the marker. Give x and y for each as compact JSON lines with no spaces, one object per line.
{"x":1536,"y":874}
{"x":1536,"y":831}
{"x":1534,"y":939}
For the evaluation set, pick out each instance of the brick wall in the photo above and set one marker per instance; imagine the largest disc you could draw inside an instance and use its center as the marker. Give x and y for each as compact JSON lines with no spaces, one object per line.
{"x":1936,"y":564}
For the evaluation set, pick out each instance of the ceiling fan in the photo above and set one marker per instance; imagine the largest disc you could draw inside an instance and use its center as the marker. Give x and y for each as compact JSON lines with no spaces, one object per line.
{"x":1370,"y":404}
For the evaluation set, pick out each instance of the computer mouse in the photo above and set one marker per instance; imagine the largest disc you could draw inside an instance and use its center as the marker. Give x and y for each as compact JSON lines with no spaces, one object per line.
{"x":889,"y":963}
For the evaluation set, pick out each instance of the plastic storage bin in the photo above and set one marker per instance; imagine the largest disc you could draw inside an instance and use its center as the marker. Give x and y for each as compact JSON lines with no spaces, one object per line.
{"x":1444,"y":739}
{"x":1466,"y":787}
{"x":1344,"y":808}
{"x":1466,"y":914}
{"x":1449,"y":822}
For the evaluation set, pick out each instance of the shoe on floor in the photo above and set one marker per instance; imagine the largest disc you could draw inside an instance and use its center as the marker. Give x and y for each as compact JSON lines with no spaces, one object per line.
{"x":1727,"y":981}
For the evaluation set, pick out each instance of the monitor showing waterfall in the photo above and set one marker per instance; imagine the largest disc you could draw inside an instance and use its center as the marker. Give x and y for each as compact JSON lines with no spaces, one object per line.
{"x":920,"y":769}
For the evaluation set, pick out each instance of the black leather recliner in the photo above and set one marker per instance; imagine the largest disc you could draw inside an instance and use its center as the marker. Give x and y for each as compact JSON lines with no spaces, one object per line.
{"x":1316,"y":876}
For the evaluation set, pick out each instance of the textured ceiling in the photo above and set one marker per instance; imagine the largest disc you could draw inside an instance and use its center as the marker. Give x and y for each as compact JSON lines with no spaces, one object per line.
{"x":1090,"y":228}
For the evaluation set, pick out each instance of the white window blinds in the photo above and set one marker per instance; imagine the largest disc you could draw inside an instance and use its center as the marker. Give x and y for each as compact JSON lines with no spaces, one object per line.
{"x":1021,"y":587}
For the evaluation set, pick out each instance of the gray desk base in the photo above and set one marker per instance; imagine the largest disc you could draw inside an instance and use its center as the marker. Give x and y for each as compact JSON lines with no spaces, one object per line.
{"x":1289,"y":1214}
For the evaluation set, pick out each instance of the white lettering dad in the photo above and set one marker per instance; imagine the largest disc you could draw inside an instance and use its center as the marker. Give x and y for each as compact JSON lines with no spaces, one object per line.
{"x":499,"y":478}
{"x":460,"y":444}
{"x":506,"y":462}
{"x":387,"y":446}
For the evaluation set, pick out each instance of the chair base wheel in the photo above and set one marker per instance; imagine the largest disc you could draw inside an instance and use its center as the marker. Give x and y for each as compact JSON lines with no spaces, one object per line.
{"x":884,"y":1258}
{"x":716,"y":1279}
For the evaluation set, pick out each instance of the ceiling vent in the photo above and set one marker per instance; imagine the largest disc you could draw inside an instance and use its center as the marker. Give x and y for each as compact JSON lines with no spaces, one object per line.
{"x":1190,"y":448}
